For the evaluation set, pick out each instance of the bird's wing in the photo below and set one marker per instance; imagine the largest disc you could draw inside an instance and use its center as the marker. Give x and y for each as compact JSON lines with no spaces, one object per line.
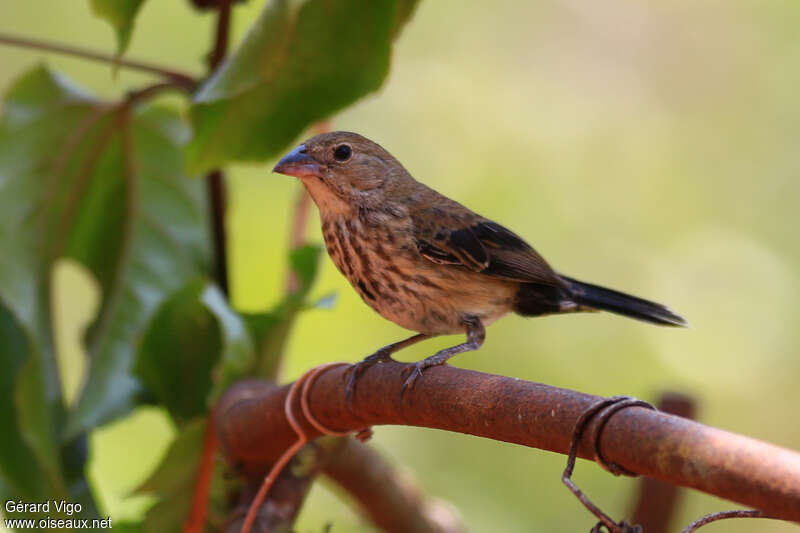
{"x":464,"y":238}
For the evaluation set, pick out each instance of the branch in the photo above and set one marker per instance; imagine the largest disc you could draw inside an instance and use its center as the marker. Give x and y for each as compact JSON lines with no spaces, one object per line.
{"x":253,"y":430}
{"x":217,"y":199}
{"x":220,"y":49}
{"x":391,"y":500}
{"x":178,"y":78}
{"x":215,"y":180}
{"x":279,"y":511}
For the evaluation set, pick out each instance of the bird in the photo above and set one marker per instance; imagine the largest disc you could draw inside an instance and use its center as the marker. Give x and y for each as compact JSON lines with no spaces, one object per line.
{"x":428,"y":263}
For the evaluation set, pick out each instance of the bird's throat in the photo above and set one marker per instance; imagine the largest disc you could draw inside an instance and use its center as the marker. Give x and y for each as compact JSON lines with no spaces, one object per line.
{"x":330,"y":204}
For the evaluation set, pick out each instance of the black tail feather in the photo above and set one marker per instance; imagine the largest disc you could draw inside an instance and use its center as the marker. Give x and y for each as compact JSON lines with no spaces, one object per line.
{"x":595,"y":297}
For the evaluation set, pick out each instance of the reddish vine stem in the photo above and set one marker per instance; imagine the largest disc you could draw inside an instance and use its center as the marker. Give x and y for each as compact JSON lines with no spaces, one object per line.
{"x":253,"y":429}
{"x":195,"y":522}
{"x":178,"y":78}
{"x":303,"y":384}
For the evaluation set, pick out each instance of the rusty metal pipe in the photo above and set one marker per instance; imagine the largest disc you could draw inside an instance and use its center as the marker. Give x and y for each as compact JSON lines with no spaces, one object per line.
{"x":253,"y":431}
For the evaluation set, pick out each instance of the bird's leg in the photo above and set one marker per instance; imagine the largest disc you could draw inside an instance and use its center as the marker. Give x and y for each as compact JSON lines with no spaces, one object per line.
{"x":382,"y":355}
{"x":476,"y":334}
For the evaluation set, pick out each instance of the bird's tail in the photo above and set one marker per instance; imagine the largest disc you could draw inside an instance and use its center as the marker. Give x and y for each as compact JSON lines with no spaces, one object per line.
{"x":595,"y":297}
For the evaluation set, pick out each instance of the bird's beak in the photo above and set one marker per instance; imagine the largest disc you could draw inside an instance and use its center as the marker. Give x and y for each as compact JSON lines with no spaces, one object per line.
{"x":298,"y":163}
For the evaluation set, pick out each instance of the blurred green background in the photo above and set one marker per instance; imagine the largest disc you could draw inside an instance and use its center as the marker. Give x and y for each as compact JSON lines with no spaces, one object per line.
{"x":647,"y":147}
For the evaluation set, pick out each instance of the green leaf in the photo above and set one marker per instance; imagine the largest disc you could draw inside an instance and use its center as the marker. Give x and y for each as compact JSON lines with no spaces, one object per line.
{"x":270,"y":330}
{"x":173,"y":480}
{"x":34,"y":462}
{"x":163,"y":245}
{"x":104,"y":186}
{"x":179,"y":348}
{"x":404,"y":11}
{"x":304,"y":262}
{"x":299,"y":63}
{"x":38,"y":423}
{"x":237,"y":357}
{"x":169,"y":513}
{"x":179,"y":465}
{"x":121,"y":14}
{"x":18,"y":466}
{"x":193,"y":332}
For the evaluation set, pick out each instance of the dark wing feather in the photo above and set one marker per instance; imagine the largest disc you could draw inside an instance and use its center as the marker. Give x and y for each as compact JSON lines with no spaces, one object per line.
{"x":513,"y":258}
{"x":480,"y":245}
{"x":437,"y":255}
{"x":456,"y":247}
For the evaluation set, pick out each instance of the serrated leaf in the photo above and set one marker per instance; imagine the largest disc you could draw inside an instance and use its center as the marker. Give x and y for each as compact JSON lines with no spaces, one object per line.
{"x":103,"y":185}
{"x":299,"y":63}
{"x":121,"y":14}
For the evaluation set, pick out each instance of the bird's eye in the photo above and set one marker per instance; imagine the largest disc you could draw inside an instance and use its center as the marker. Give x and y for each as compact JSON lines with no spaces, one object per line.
{"x":342,"y":152}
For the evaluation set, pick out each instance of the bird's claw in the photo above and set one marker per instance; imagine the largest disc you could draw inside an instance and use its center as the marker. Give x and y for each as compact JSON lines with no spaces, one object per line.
{"x":352,"y":375}
{"x":356,"y":370}
{"x":413,"y":372}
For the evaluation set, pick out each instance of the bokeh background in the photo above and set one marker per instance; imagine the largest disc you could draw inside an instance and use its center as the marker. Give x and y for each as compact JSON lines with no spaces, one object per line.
{"x":650,"y":147}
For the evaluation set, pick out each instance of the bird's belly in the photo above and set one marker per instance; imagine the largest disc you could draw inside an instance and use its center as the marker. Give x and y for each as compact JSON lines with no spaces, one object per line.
{"x":434,"y":304}
{"x":404,"y":287}
{"x":437,"y":300}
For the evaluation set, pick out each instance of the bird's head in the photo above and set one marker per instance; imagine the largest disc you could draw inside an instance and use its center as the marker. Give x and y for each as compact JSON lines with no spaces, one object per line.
{"x":343,"y":171}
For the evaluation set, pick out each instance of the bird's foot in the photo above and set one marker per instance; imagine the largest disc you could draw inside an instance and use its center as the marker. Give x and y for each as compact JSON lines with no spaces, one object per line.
{"x":355,"y":371}
{"x":414,"y":372}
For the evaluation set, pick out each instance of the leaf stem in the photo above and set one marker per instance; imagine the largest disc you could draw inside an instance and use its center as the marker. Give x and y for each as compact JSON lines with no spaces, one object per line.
{"x":180,"y":79}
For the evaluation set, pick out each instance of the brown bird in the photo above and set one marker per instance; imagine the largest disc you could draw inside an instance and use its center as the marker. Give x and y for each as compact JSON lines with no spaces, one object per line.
{"x":426,"y":262}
